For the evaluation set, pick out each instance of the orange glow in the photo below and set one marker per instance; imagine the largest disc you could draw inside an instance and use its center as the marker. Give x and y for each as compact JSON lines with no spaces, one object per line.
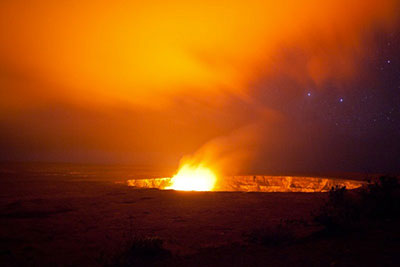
{"x":147,"y":52}
{"x":193,"y":178}
{"x":150,"y":81}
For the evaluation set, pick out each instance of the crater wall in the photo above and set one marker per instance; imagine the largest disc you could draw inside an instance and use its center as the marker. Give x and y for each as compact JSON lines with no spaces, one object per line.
{"x":261,"y":183}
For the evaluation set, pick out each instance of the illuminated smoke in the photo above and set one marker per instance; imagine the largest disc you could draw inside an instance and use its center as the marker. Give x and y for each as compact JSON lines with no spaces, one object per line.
{"x":178,"y":73}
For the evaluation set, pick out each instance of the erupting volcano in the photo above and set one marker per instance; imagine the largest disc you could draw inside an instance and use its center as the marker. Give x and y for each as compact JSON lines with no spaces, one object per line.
{"x":193,"y":178}
{"x":275,"y":118}
{"x":200,"y":178}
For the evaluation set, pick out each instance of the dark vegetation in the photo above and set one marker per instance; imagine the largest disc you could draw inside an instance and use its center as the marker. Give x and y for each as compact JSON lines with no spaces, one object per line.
{"x":140,"y":251}
{"x":352,"y":228}
{"x":56,"y":223}
{"x":343,"y":231}
{"x":137,"y":250}
{"x":344,"y":210}
{"x":279,"y":235}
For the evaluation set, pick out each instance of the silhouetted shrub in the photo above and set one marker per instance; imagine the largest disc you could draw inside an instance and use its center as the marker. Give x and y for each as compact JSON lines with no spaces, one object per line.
{"x":340,"y":211}
{"x":344,"y":211}
{"x":272,"y":236}
{"x":140,"y":251}
{"x":381,"y":199}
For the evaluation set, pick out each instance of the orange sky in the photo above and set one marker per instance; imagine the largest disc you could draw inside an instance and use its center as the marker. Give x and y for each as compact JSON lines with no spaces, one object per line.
{"x":164,"y":75}
{"x":144,"y":52}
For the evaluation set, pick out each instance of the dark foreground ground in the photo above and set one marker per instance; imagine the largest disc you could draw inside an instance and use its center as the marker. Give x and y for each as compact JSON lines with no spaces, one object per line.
{"x":63,"y":219}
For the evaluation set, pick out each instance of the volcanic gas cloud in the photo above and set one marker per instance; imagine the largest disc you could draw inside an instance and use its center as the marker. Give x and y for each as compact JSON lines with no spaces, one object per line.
{"x":150,"y":81}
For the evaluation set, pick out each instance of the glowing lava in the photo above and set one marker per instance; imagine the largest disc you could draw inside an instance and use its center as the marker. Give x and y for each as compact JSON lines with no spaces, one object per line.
{"x":193,"y":178}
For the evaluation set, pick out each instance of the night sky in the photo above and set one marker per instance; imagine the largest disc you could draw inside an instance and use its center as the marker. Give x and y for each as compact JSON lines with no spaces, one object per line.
{"x":354,"y":124}
{"x":251,"y":87}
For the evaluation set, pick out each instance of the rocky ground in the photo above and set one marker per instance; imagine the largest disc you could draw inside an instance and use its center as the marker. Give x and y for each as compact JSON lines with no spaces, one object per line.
{"x":60,"y":221}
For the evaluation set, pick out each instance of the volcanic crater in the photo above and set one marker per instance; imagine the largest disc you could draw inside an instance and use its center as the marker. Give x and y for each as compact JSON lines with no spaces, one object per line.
{"x":260,"y":183}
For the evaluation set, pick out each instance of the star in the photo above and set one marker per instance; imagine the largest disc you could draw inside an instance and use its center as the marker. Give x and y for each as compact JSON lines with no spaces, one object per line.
{"x":308,"y":94}
{"x":341,"y":100}
{"x":388,"y":61}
